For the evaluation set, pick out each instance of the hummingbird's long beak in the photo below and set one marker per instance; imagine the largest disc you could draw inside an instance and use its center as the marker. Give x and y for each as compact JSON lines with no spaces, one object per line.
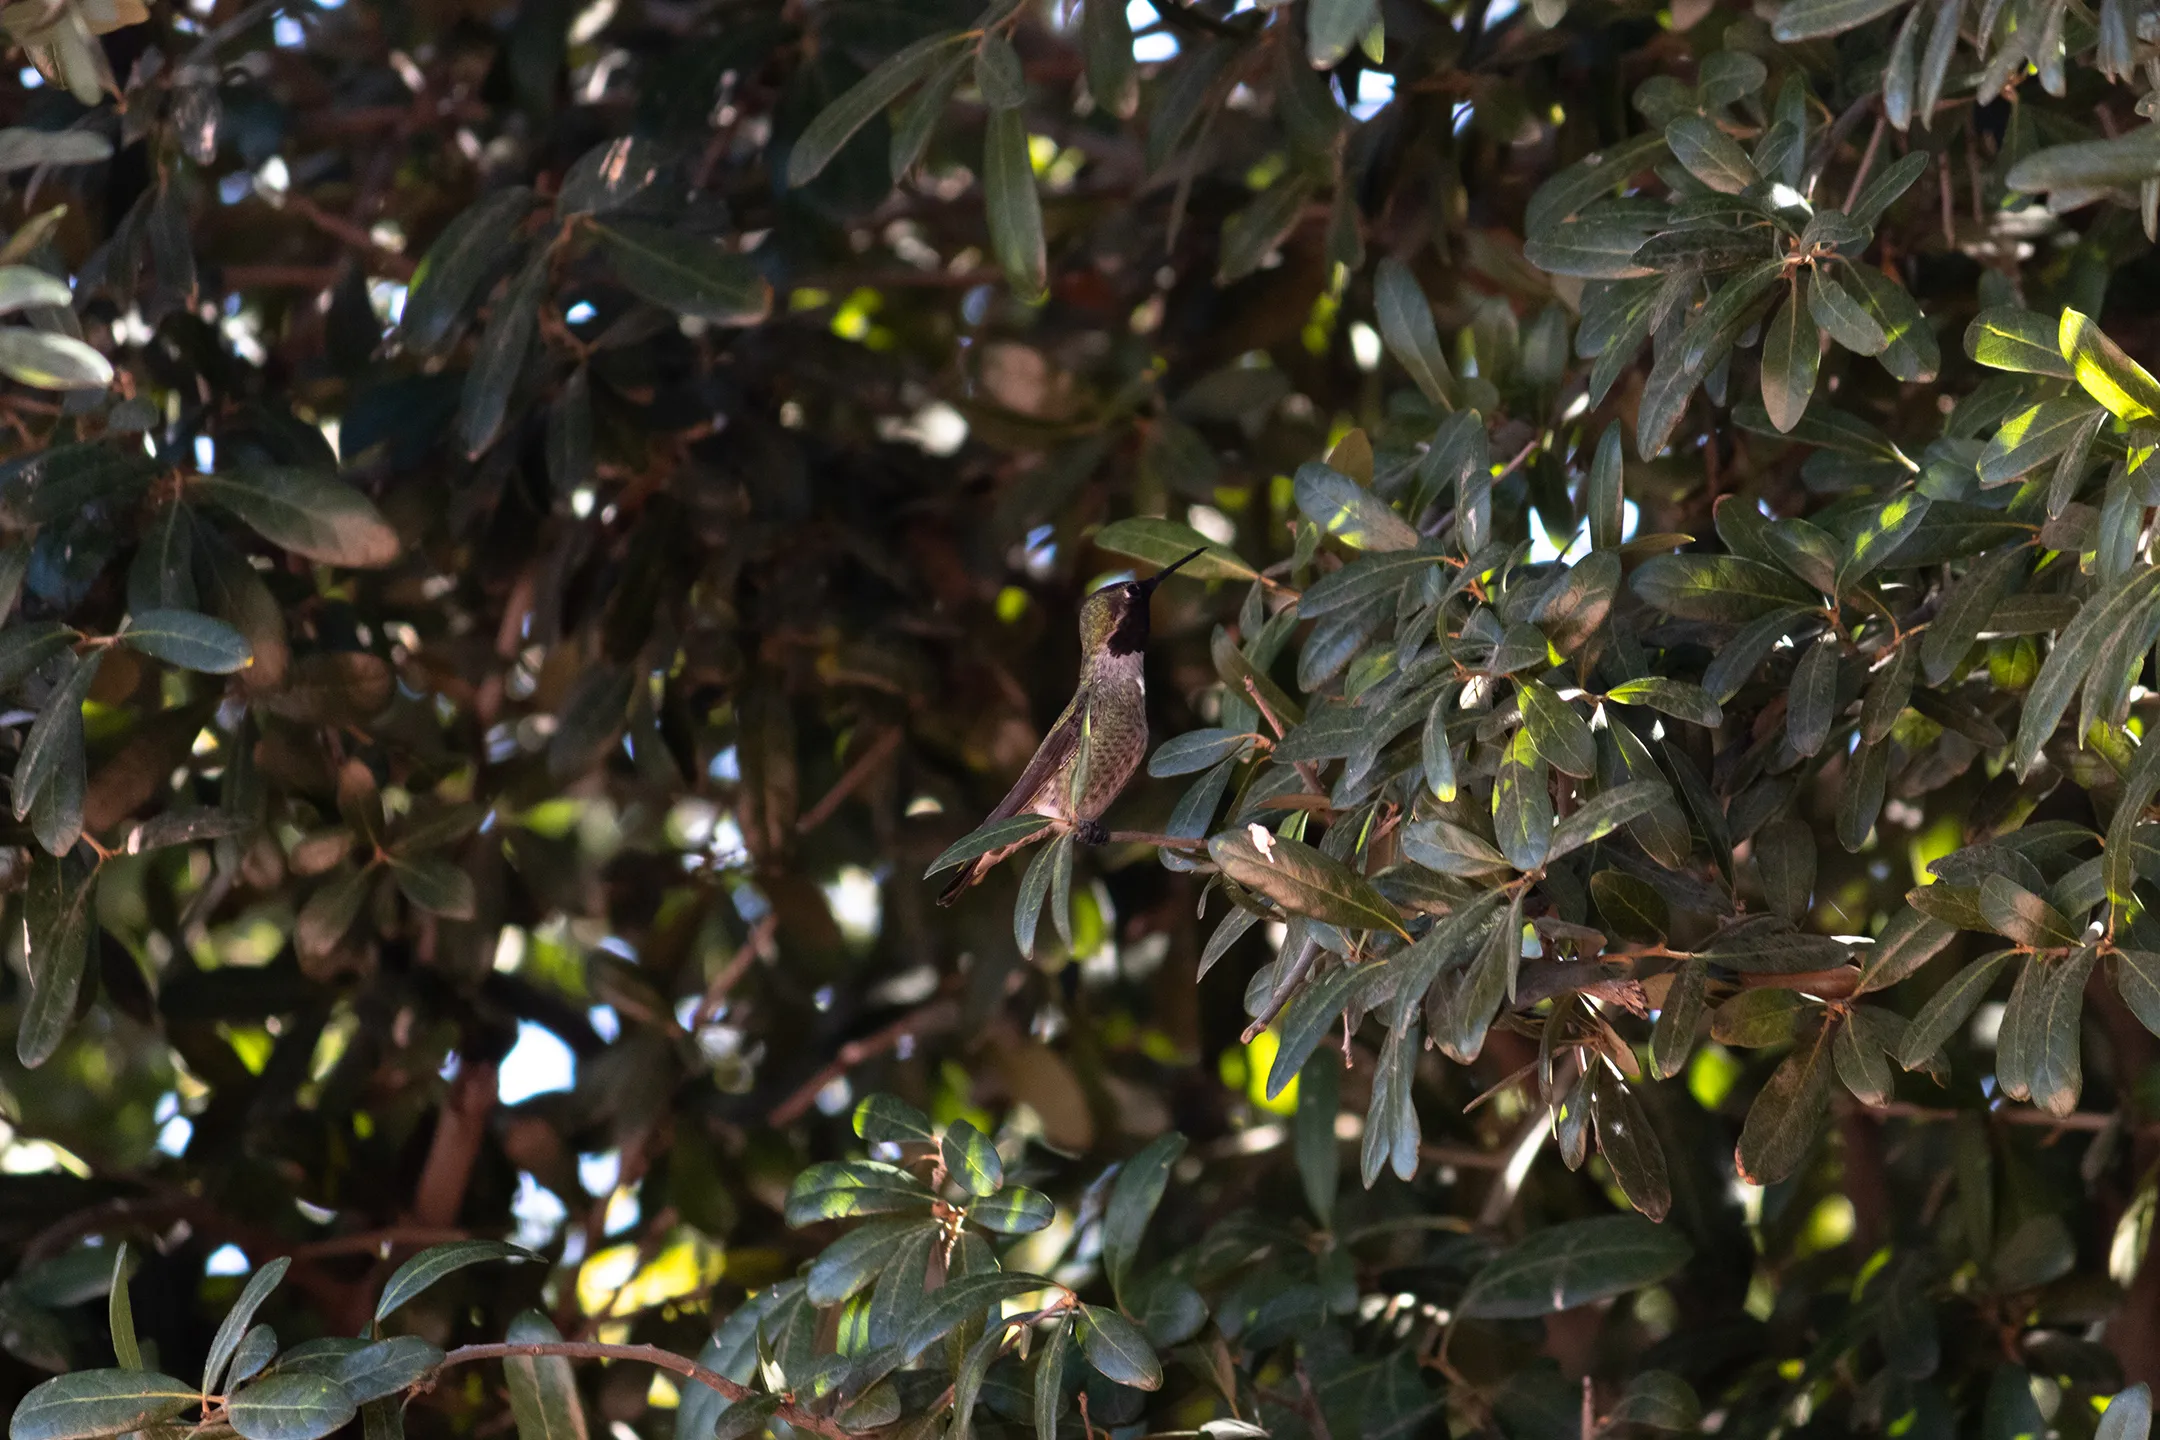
{"x":1164,"y":573}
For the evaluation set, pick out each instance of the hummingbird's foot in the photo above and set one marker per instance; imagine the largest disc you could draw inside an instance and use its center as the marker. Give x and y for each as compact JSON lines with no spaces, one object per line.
{"x":1091,"y":832}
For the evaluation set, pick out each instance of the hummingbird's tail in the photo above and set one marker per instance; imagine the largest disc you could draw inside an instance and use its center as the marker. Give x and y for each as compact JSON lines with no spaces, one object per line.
{"x":969,"y":874}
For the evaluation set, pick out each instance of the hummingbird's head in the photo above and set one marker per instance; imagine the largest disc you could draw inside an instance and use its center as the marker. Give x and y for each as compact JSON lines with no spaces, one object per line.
{"x":1114,"y":620}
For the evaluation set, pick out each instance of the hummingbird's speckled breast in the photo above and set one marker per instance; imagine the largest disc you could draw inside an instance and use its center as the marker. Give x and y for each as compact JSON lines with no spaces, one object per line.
{"x":1113,"y":741}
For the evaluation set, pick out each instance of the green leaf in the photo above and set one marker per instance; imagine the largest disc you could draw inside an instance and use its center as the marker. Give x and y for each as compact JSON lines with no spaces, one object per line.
{"x":837,"y":123}
{"x":49,"y":772}
{"x":1861,"y":1063}
{"x":2005,"y":337}
{"x":916,"y":122}
{"x":1758,"y":1019}
{"x":436,"y":884}
{"x":87,"y":1403}
{"x":971,"y":1159}
{"x":1660,"y":1400}
{"x":2128,"y":1416}
{"x":413,"y":1277}
{"x":994,"y":836}
{"x":22,"y":147}
{"x":120,"y":1312}
{"x":888,"y":1120}
{"x":1676,"y":698}
{"x":543,"y":1389}
{"x":1787,"y":1115}
{"x":1302,"y":880}
{"x":1811,"y":706}
{"x":1406,"y":327}
{"x":1334,"y":27}
{"x":498,"y":361}
{"x":1909,"y":941}
{"x":838,"y":1189}
{"x":469,"y":250}
{"x":1594,"y":177}
{"x":1449,"y":849}
{"x":1604,"y":495}
{"x":1593,"y":247}
{"x":1629,"y":1145}
{"x":1573,"y":1263}
{"x":1810,"y":19}
{"x":1035,"y":889}
{"x":2056,"y":1075}
{"x":45,"y":361}
{"x":1899,"y":77}
{"x":1160,"y":542}
{"x":291,"y":1407}
{"x":385,"y":1368}
{"x":1832,"y":306}
{"x":1911,"y":354}
{"x":1015,"y":1211}
{"x":1117,"y":1349}
{"x":2108,"y":375}
{"x":307,"y":513}
{"x":1013,"y":207}
{"x":960,"y":1300}
{"x":1112,"y":77}
{"x":1050,"y":1363}
{"x":1139,"y":1189}
{"x":1948,"y":1008}
{"x":1604,"y":813}
{"x":2032,"y":437}
{"x":1354,"y":515}
{"x":2017,"y":913}
{"x":189,"y":640}
{"x":1522,"y":805}
{"x":2122,"y":162}
{"x":1560,"y":736}
{"x":2122,"y":606}
{"x":58,"y":920}
{"x":854,"y":1261}
{"x":1711,"y":155}
{"x":1790,"y":357}
{"x":1965,"y":610}
{"x":608,"y":177}
{"x":1722,"y":588}
{"x":25,"y":287}
{"x":1672,"y":1038}
{"x":1253,"y":233}
{"x":689,"y":275}
{"x":237,"y":1320}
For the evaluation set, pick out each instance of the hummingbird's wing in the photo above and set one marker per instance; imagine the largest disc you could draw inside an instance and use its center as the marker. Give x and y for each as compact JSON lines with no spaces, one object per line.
{"x":1050,"y":757}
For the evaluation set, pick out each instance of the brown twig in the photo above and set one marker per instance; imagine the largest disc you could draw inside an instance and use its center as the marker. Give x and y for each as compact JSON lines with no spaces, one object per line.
{"x":372,"y":1242}
{"x":880,"y":751}
{"x":936,"y":1015}
{"x":1304,"y":768}
{"x":1161,"y":842}
{"x":738,"y":966}
{"x":653,"y":1355}
{"x":1867,"y":161}
{"x":2091,"y":1121}
{"x":337,"y":227}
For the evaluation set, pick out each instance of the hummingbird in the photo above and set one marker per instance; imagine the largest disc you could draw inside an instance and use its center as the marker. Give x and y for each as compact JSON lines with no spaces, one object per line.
{"x":1098,"y":742}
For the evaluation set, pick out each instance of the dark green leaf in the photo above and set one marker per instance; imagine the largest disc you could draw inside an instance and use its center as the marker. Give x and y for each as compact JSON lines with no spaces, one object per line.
{"x":1949,"y":1008}
{"x":89,"y":1403}
{"x":837,"y":123}
{"x":543,"y":1389}
{"x":687,"y":274}
{"x":413,"y":1277}
{"x":1117,"y":1349}
{"x":1576,"y":1262}
{"x":1139,"y":1189}
{"x":1015,"y":210}
{"x":1302,"y":880}
{"x":1786,"y":1117}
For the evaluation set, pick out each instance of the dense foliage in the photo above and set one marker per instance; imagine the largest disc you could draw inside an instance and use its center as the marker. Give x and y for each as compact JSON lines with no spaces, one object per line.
{"x":527,"y":528}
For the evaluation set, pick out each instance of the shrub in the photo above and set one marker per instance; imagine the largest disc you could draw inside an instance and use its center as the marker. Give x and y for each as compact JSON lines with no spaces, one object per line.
{"x":525,"y":531}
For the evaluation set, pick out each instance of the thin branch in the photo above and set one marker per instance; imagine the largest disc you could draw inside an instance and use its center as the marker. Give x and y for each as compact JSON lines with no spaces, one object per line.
{"x":1161,"y":842}
{"x":936,"y":1015}
{"x":2090,"y":1121}
{"x":865,"y":766}
{"x":789,"y":1411}
{"x":1867,"y":161}
{"x":731,"y":974}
